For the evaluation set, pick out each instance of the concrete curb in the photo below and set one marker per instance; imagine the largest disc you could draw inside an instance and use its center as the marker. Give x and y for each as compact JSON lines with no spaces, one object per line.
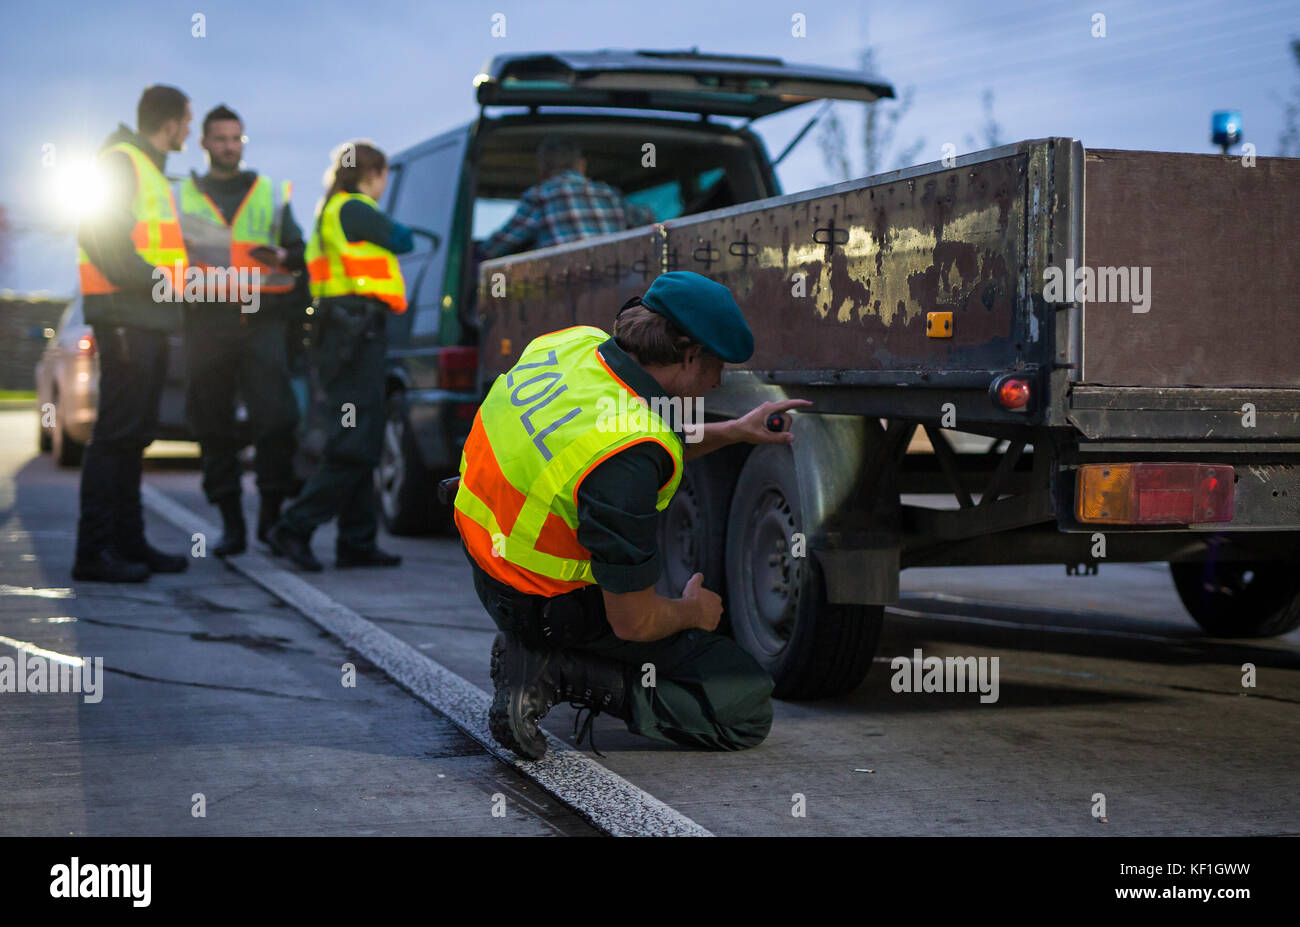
{"x":603,"y":797}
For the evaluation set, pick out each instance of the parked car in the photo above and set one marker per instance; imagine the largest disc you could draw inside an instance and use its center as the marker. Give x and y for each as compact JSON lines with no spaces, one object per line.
{"x":67,"y":389}
{"x":694,"y":109}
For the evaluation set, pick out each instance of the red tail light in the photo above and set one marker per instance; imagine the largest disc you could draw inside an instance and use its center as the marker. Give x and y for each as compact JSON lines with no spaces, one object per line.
{"x":1011,"y":393}
{"x":1154,"y":493}
{"x":86,"y":344}
{"x":458,"y":369}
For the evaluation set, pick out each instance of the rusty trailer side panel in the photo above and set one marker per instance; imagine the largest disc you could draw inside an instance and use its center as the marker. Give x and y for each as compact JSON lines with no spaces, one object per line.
{"x":838,"y":283}
{"x":844,"y":282}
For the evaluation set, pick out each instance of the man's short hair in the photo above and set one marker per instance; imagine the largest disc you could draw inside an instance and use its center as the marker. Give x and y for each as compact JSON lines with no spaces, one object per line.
{"x":650,"y":337}
{"x":220,"y":113}
{"x":556,"y":153}
{"x":159,"y":104}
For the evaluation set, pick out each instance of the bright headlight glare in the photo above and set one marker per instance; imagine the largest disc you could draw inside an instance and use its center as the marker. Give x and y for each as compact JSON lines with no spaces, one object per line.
{"x":80,"y":189}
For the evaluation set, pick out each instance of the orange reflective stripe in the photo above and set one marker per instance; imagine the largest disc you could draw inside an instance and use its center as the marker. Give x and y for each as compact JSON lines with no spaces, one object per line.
{"x":394,"y":301}
{"x":319,"y":269}
{"x":483,"y":477}
{"x":374,"y":268}
{"x":479,"y":544}
{"x":559,"y":540}
{"x":171,"y":237}
{"x":93,"y":281}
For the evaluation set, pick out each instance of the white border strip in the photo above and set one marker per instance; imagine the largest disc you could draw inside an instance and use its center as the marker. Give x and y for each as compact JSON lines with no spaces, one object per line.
{"x":603,"y":797}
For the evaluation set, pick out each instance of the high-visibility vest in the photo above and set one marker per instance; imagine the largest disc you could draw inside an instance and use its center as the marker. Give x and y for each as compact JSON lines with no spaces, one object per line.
{"x":210,"y":242}
{"x":339,"y":267}
{"x":156,"y":233}
{"x":543,"y":427}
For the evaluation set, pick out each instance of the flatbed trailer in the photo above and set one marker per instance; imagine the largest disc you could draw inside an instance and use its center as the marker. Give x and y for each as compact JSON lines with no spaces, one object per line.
{"x":1152,"y":416}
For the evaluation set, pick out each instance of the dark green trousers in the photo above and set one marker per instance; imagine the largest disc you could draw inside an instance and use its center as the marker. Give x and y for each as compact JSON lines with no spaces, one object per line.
{"x":352,"y":374}
{"x":695,"y":688}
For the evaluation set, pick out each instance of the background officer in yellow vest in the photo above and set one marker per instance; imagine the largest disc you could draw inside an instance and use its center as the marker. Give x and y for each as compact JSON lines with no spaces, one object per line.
{"x":230,"y":218}
{"x":355,"y":278}
{"x":567,"y":466}
{"x":122,"y":253}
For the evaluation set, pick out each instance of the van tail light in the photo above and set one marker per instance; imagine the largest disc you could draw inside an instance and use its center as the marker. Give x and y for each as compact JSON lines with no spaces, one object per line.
{"x":86,"y":344}
{"x":458,"y":369}
{"x":1154,"y":493}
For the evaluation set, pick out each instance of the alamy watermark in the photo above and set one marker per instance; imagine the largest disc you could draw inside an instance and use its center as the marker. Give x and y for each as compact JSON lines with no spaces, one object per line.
{"x":1098,"y":285}
{"x":209,"y":285}
{"x":946,"y":674}
{"x":635,"y":415}
{"x":55,"y":673}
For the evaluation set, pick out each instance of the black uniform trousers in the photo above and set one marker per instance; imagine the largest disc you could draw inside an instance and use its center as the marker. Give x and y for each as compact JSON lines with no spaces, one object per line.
{"x":132,"y":370}
{"x":228,"y":356}
{"x":351,"y":364}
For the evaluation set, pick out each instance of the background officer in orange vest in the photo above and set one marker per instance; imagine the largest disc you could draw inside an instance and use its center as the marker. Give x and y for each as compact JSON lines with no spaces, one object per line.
{"x":136,"y":234}
{"x":592,"y":645}
{"x":234,"y":353}
{"x":357,"y":281}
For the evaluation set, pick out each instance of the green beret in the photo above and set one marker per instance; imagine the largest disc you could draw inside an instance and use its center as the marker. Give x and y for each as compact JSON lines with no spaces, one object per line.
{"x":704,"y":310}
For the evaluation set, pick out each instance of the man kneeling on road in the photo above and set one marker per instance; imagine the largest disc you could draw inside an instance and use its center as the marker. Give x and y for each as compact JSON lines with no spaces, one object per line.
{"x":559,"y":495}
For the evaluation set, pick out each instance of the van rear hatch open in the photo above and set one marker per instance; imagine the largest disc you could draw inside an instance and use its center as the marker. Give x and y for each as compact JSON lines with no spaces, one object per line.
{"x":680,"y":81}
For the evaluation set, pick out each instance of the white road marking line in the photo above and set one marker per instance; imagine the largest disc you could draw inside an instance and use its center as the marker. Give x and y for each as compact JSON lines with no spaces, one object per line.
{"x":603,"y":797}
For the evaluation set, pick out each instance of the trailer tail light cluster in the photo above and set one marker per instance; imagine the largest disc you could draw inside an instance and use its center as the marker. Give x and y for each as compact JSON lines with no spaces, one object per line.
{"x":1154,"y":494}
{"x":458,"y":369}
{"x":1012,"y":393}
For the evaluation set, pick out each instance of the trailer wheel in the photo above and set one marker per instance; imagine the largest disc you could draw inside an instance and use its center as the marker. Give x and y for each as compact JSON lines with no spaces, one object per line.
{"x":690,"y":534}
{"x":1240,"y":599}
{"x":777,"y":601}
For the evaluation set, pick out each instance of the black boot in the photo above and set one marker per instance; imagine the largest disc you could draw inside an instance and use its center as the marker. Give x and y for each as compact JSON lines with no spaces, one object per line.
{"x":158,"y":561}
{"x":268,"y":514}
{"x":234,"y":533}
{"x":296,"y":548}
{"x":345,"y":557}
{"x":108,"y":567}
{"x":529,"y":683}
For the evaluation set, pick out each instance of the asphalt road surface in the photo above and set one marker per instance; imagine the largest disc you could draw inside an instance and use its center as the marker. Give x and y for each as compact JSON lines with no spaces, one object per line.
{"x":218,"y":696}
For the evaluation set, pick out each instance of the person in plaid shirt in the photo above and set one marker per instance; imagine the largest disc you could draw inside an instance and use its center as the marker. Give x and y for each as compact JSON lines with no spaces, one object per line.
{"x":565,"y":206}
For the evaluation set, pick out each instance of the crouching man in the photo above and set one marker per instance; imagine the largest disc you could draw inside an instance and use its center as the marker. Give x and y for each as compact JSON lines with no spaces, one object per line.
{"x":559,"y":495}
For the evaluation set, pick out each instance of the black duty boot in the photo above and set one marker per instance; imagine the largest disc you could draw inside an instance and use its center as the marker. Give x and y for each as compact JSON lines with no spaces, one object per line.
{"x":268,"y":514}
{"x":343,"y":557}
{"x":529,"y":683}
{"x":157,"y":561}
{"x":234,"y":533}
{"x":109,"y":567}
{"x":296,"y":548}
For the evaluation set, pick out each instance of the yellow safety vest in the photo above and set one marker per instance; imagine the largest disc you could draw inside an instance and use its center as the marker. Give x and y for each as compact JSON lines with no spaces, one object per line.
{"x":156,"y":233}
{"x":543,"y":427}
{"x":213,"y":243}
{"x":339,"y":267}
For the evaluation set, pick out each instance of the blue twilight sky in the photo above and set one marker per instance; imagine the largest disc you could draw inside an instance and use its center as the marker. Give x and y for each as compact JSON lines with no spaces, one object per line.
{"x":306,"y":76}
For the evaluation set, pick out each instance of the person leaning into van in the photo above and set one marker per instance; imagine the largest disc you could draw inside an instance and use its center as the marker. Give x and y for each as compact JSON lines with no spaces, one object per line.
{"x":356,"y":281}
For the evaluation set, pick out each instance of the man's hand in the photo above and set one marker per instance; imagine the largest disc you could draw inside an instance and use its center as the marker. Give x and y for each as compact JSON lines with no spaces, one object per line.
{"x":706,"y":603}
{"x":752,"y":426}
{"x":645,"y":615}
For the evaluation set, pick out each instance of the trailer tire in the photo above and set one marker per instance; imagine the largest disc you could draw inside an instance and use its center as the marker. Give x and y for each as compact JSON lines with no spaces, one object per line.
{"x":777,"y":600}
{"x":691,"y":534}
{"x":1232,"y":599}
